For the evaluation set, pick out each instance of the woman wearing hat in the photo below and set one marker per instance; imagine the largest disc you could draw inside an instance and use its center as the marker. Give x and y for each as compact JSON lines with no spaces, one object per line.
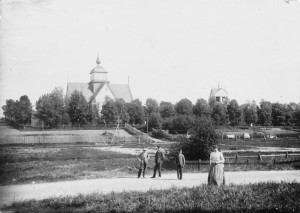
{"x":216,"y":171}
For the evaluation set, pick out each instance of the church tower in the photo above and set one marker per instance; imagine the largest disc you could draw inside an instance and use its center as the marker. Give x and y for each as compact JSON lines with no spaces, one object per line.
{"x":98,"y":75}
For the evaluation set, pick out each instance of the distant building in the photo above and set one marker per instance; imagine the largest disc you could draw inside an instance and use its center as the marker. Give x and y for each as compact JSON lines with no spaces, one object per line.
{"x":99,"y":88}
{"x":219,"y":95}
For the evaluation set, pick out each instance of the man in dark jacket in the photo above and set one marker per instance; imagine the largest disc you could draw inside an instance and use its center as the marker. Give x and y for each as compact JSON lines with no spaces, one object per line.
{"x":180,"y":164}
{"x":159,"y":158}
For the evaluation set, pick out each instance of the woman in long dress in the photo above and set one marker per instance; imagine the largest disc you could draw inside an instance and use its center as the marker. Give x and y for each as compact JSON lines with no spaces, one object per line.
{"x":216,"y":171}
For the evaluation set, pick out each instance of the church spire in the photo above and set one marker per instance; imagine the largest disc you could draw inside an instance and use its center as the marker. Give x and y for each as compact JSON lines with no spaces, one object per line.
{"x":98,"y":60}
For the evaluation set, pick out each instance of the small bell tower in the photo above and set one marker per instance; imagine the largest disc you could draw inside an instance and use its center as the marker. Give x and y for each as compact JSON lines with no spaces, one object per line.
{"x":98,"y":75}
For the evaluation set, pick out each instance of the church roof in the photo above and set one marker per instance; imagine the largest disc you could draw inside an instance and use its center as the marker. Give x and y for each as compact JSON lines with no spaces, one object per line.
{"x":118,"y":90}
{"x":214,"y":91}
{"x":81,"y":87}
{"x":121,"y":91}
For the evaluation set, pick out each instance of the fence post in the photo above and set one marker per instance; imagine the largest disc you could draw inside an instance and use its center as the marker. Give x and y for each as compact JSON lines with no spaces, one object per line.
{"x":236,"y":158}
{"x":286,"y":155}
{"x":259,"y":157}
{"x":199,"y":161}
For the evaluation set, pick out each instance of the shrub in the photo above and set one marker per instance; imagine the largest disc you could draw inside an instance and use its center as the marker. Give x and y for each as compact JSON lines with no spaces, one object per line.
{"x":160,"y":134}
{"x":203,"y":137}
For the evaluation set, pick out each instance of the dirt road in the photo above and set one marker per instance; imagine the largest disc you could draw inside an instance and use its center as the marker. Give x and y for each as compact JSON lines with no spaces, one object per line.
{"x":8,"y":194}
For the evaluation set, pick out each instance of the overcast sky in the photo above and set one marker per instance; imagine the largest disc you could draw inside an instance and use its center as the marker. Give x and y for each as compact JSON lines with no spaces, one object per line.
{"x":169,"y":49}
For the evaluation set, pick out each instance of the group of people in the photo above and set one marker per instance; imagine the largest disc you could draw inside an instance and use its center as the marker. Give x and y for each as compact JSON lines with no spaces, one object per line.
{"x":216,"y":171}
{"x":144,"y":157}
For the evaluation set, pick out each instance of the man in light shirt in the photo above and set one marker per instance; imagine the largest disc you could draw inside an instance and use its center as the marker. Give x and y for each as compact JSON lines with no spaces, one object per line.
{"x":143,"y":158}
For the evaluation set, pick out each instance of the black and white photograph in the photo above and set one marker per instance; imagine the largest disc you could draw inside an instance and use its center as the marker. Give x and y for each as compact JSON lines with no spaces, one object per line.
{"x":149,"y":106}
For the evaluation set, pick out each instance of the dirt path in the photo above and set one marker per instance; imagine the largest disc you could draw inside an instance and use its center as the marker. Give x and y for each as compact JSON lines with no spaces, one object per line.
{"x":8,"y":194}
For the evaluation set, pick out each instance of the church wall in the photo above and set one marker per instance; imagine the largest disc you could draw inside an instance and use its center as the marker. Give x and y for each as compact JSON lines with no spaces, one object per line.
{"x":105,"y":91}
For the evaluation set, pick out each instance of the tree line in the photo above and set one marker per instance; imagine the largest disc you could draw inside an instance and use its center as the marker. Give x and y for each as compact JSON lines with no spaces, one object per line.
{"x":55,"y":109}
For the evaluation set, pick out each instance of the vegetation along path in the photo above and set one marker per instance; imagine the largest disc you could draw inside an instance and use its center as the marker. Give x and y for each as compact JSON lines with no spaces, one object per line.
{"x":11,"y":193}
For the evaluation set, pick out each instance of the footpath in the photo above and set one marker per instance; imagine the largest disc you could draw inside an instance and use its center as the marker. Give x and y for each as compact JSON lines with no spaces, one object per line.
{"x":11,"y":193}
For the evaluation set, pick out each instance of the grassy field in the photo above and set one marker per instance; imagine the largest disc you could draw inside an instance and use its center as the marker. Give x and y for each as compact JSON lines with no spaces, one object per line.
{"x":59,"y":162}
{"x":262,"y":197}
{"x":55,"y":162}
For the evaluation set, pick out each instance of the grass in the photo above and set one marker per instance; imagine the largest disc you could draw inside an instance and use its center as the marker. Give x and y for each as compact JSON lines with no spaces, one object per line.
{"x":47,"y":164}
{"x":260,"y":197}
{"x":54,"y":162}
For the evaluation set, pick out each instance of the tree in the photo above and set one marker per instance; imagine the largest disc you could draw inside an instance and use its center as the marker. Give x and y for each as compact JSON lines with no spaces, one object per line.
{"x":289,"y":111}
{"x":265,"y":113}
{"x":203,"y":137}
{"x":109,"y":112}
{"x":184,"y":107}
{"x":18,"y":111}
{"x":44,"y":110}
{"x":250,"y":113}
{"x":202,"y":108}
{"x":154,"y":121}
{"x":234,"y":112}
{"x":219,"y":115}
{"x":296,"y":115}
{"x":182,"y":123}
{"x":122,"y":110}
{"x":151,"y":106}
{"x":93,"y":112}
{"x":166,"y":109}
{"x":278,"y":114}
{"x":136,"y":112}
{"x":78,"y":108}
{"x":24,"y":109}
{"x":9,"y":110}
{"x":51,"y":108}
{"x":152,"y":114}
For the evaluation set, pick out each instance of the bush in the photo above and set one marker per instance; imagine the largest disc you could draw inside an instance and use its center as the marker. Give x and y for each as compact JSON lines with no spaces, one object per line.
{"x":160,"y":134}
{"x":203,"y":137}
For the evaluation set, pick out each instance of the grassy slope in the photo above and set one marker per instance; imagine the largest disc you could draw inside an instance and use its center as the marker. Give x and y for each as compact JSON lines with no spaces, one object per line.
{"x":262,"y":197}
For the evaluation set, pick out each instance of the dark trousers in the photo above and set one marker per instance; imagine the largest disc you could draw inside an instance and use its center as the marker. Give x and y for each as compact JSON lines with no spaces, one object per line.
{"x":143,"y":166}
{"x":157,"y":167}
{"x":179,"y":172}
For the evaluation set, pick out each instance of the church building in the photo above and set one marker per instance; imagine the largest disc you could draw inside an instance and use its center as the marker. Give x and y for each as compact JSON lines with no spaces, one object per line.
{"x":219,"y":95}
{"x":99,"y":88}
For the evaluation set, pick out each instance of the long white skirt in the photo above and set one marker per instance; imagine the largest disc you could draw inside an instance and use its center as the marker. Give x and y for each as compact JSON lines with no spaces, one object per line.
{"x":216,"y":175}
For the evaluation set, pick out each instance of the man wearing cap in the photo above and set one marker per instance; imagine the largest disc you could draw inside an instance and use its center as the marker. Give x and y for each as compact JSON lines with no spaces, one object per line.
{"x":143,"y":158}
{"x":159,"y":158}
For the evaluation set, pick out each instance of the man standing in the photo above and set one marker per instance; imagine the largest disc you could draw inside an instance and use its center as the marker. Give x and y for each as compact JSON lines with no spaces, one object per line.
{"x":180,"y":164}
{"x":143,"y":158}
{"x":159,"y":157}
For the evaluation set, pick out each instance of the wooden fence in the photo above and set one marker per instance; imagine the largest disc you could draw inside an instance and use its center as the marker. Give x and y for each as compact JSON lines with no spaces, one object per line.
{"x":42,"y":139}
{"x":246,"y":161}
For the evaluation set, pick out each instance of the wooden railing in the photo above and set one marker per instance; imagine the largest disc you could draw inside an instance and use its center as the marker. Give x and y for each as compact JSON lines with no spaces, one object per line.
{"x":247,"y":160}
